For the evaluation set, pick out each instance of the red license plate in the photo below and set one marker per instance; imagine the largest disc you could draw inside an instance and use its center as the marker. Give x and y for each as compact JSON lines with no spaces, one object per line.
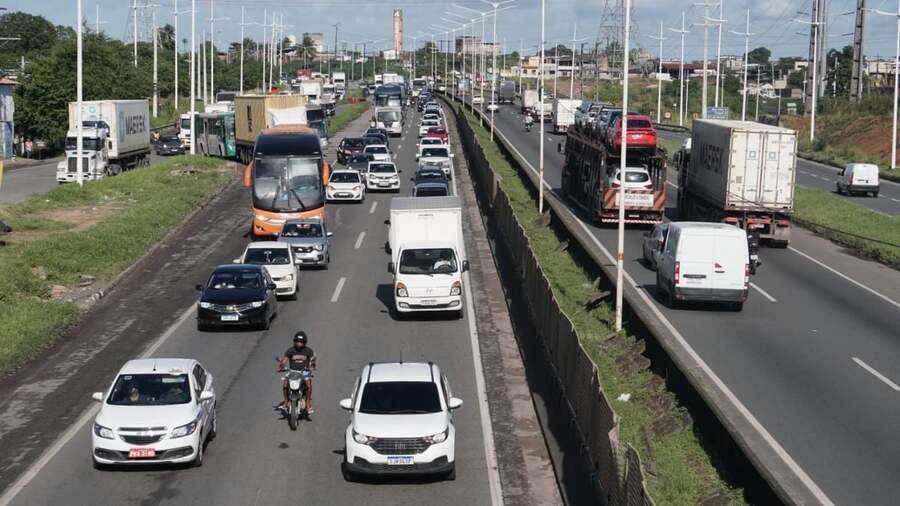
{"x":141,"y":453}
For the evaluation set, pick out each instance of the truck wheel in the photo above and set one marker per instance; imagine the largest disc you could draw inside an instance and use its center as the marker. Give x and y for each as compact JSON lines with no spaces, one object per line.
{"x":737,"y":307}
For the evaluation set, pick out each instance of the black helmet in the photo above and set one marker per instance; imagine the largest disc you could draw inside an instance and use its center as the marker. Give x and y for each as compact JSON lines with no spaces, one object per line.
{"x":300,"y":337}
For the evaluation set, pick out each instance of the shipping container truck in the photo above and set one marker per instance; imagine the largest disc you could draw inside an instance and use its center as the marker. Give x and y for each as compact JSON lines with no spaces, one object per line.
{"x":116,"y":137}
{"x":589,"y":179}
{"x":339,"y":80}
{"x":251,"y":117}
{"x":742,"y":173}
{"x":564,"y":113}
{"x":507,"y":92}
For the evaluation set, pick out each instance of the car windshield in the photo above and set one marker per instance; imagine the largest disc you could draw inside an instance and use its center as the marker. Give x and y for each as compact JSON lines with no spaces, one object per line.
{"x":354,"y":143}
{"x":430,"y":122}
{"x":171,"y":139}
{"x":437,"y":131}
{"x":435,"y":152}
{"x":431,"y":191}
{"x":302,"y":230}
{"x":345,"y":177}
{"x":433,"y":141}
{"x":185,"y":123}
{"x":376,"y":149}
{"x":400,"y":398}
{"x":429,"y":174}
{"x":287,"y":184}
{"x":361,"y":159}
{"x":88,"y":143}
{"x":150,"y":390}
{"x":388,"y":116}
{"x":428,"y":261}
{"x":268,"y":256}
{"x":634,"y":176}
{"x":382,"y":167}
{"x":231,"y":280}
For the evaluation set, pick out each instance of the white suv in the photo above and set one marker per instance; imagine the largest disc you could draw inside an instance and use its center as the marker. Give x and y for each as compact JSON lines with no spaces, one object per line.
{"x":156,"y":411}
{"x":401,"y":422}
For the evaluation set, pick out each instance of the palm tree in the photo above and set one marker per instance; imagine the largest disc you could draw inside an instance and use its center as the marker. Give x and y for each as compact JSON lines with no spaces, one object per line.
{"x":308,"y":49}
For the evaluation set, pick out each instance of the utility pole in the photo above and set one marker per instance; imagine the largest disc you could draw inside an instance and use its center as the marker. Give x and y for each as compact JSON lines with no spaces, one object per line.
{"x":79,"y":92}
{"x":814,"y":27}
{"x":176,"y":13}
{"x":706,"y":24}
{"x":896,"y":81}
{"x":242,"y":52}
{"x":155,"y":65}
{"x":336,"y":25}
{"x":541,"y":115}
{"x":212,"y":51}
{"x":746,"y":36}
{"x":721,"y":21}
{"x":856,"y":72}
{"x":134,"y":22}
{"x":659,"y":83}
{"x":193,"y":72}
{"x":264,"y":24}
{"x":623,"y":163}
{"x":758,"y":71}
{"x":681,"y":108}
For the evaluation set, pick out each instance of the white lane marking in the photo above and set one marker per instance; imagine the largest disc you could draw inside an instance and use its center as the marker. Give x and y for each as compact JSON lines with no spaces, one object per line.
{"x":359,"y":240}
{"x":763,"y":292}
{"x":374,"y":205}
{"x":80,"y":422}
{"x":847,"y":278}
{"x":487,"y":432}
{"x":337,"y":289}
{"x":892,"y":198}
{"x":399,"y":146}
{"x":877,"y":374}
{"x":726,"y":392}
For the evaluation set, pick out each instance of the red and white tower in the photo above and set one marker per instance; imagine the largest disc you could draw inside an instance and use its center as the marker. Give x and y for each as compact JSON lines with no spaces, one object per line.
{"x":398,"y":31}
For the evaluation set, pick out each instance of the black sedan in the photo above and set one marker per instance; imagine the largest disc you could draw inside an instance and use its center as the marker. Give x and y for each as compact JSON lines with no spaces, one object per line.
{"x":237,"y":294}
{"x":169,"y":145}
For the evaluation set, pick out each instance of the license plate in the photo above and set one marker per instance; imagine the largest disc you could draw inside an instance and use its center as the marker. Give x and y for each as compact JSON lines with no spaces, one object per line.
{"x":404,"y":460}
{"x":141,"y":453}
{"x":428,"y":302}
{"x":384,"y":184}
{"x":230,"y":317}
{"x":343,"y":195}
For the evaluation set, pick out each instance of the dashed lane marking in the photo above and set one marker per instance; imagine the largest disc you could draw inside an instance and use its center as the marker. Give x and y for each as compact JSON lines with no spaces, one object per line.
{"x":873,"y":372}
{"x":359,"y":240}
{"x":337,"y":289}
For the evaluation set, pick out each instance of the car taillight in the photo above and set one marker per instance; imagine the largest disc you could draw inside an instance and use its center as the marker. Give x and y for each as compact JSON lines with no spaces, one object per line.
{"x":746,"y":276}
{"x":677,"y":273}
{"x":648,"y":186}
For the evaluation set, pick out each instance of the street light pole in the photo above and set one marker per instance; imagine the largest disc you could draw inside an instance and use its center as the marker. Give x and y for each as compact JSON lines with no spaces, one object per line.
{"x":706,"y":25}
{"x":814,"y":25}
{"x":659,"y":73}
{"x":155,"y":66}
{"x":746,"y":36}
{"x":133,"y":22}
{"x":896,"y":80}
{"x":681,"y":109}
{"x":541,"y":101}
{"x":193,"y":71}
{"x":721,"y":21}
{"x":79,"y":91}
{"x":264,"y":43}
{"x":623,"y":163}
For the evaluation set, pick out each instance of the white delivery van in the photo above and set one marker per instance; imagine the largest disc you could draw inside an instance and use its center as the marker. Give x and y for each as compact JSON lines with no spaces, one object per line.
{"x":858,"y":178}
{"x":707,"y":262}
{"x":427,"y":254}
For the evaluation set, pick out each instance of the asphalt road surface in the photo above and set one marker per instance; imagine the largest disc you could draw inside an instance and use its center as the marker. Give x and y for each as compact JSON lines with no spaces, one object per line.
{"x":814,"y":355}
{"x":256,"y":459}
{"x":824,"y":177}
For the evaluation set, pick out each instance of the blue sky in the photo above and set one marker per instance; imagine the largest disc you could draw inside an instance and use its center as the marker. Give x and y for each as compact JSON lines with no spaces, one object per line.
{"x":771,"y":20}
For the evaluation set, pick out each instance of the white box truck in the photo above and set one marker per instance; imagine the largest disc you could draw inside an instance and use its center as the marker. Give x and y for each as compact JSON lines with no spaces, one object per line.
{"x":116,"y":137}
{"x":339,"y":80}
{"x":742,"y":173}
{"x":564,"y":113}
{"x":427,"y":254}
{"x":531,"y":102}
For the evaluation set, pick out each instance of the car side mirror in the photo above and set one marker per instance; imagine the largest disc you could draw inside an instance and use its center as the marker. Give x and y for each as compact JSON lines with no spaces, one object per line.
{"x":455,"y":403}
{"x":236,"y":261}
{"x":347,"y":404}
{"x":206,"y":395}
{"x":329,"y":234}
{"x":452,"y":155}
{"x":390,"y":267}
{"x":198,"y":287}
{"x":97,"y":396}
{"x":271,"y":286}
{"x":465,"y":265}
{"x":387,"y":222}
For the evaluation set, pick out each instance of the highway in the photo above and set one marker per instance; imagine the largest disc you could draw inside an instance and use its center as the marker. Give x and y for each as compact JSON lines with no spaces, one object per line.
{"x":824,"y":177}
{"x":814,"y":355}
{"x":256,"y":459}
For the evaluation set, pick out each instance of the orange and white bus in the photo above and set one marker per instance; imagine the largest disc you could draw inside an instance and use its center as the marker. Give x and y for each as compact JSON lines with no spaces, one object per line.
{"x":287,"y":176}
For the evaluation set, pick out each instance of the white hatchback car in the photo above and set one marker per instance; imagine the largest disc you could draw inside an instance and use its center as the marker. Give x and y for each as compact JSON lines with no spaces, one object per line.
{"x":277,"y":258}
{"x":345,"y":185}
{"x":426,"y":124}
{"x":382,"y":176}
{"x":156,"y":411}
{"x":379,"y":152}
{"x":401,"y":422}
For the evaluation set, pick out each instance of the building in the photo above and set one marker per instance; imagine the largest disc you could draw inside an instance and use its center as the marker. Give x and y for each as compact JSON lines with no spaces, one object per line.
{"x":398,"y":31}
{"x":7,"y":111}
{"x":318,"y":40}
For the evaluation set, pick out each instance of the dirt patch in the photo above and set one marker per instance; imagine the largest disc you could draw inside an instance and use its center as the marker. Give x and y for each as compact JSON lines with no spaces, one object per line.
{"x":82,"y":218}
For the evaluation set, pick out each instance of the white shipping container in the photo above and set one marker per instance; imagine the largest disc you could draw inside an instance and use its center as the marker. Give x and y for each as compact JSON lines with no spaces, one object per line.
{"x":564,"y":113}
{"x":421,"y":220}
{"x":128,"y":121}
{"x":742,"y":165}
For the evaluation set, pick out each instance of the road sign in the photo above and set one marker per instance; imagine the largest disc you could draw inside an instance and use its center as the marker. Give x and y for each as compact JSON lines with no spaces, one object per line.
{"x":717,"y":112}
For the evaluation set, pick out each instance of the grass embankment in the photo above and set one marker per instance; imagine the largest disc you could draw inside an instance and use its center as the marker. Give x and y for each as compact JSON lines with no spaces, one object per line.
{"x":872,"y":234}
{"x":651,"y":421}
{"x":345,"y":116}
{"x":70,"y":236}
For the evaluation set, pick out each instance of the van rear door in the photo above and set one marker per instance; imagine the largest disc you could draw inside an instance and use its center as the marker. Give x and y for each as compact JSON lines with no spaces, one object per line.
{"x":730,"y":257}
{"x":695,"y":257}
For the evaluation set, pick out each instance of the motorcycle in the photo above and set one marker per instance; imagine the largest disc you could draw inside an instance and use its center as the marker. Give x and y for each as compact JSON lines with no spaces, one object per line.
{"x":754,"y":262}
{"x":527,"y":126}
{"x":296,"y":407}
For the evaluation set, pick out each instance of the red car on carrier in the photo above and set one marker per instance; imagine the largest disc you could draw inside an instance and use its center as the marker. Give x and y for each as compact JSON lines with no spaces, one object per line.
{"x":439,"y":132}
{"x":641,"y":134}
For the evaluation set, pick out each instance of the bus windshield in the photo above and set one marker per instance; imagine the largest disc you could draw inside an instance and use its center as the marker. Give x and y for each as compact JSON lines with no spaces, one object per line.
{"x":391,"y":116}
{"x":287,"y":184}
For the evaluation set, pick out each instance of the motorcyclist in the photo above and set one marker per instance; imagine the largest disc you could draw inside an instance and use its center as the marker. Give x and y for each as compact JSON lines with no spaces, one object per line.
{"x":753,"y":248}
{"x":528,"y":121}
{"x":298,"y":357}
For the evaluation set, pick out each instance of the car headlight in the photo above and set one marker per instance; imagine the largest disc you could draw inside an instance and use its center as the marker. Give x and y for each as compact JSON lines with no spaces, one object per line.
{"x":319,"y":247}
{"x":258,"y":304}
{"x":289,"y":277}
{"x":439,"y":437}
{"x":261,"y":217}
{"x":104,"y":432}
{"x":356,"y":188}
{"x":456,"y":289}
{"x":330,"y":188}
{"x":362,"y":438}
{"x":401,"y":290}
{"x":205,"y":305}
{"x":185,"y":430}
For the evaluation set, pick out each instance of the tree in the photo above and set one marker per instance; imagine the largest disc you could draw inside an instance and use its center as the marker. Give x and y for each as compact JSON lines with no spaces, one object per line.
{"x":563,"y":50}
{"x":759,"y":56}
{"x":308,"y":49}
{"x":36,"y":33}
{"x":167,"y":37}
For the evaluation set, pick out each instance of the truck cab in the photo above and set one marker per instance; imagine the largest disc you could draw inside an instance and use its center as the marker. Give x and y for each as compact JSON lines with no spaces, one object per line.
{"x":184,"y":130}
{"x":95,"y":154}
{"x":427,"y":253}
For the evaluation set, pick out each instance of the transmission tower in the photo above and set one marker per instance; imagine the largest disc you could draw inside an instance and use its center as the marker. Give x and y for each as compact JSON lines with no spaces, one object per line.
{"x":611,"y":34}
{"x":144,"y":18}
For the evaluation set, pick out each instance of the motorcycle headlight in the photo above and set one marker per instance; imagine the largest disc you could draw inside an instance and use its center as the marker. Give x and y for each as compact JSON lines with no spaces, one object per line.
{"x":401,"y":290}
{"x":456,"y":289}
{"x":258,"y":304}
{"x":205,"y":305}
{"x":104,"y":432}
{"x":185,"y":430}
{"x":362,"y":438}
{"x":439,"y":437}
{"x":319,"y":247}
